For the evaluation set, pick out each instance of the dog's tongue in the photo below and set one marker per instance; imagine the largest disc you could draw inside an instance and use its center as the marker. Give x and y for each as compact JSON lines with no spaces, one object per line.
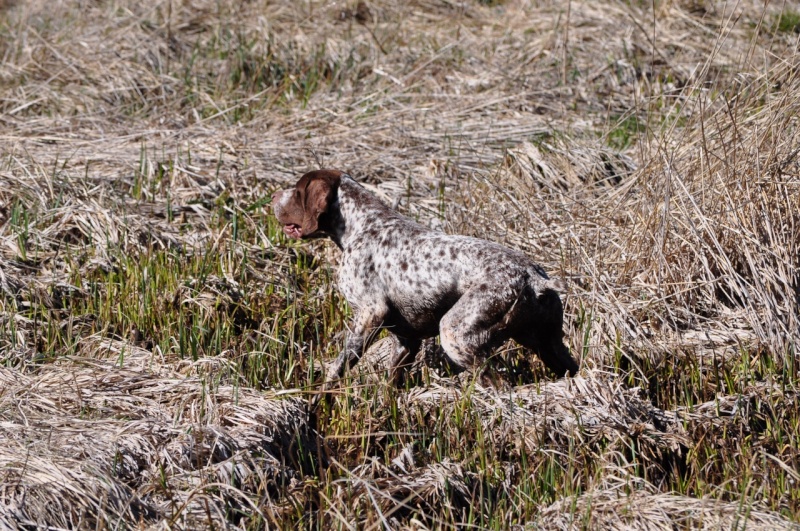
{"x":293,"y":231}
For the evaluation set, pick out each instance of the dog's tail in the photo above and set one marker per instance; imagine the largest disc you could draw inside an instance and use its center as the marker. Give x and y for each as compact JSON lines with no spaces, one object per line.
{"x":540,"y":283}
{"x":556,"y":284}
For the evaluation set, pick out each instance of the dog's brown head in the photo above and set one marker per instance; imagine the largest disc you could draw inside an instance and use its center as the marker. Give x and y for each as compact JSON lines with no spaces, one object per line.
{"x":300,"y":208}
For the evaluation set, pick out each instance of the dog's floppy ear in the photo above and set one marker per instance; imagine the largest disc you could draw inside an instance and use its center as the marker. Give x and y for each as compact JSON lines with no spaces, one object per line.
{"x":319,"y":192}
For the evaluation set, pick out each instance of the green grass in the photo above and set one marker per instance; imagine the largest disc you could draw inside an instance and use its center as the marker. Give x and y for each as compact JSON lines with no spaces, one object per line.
{"x":788,"y":22}
{"x":624,"y":132}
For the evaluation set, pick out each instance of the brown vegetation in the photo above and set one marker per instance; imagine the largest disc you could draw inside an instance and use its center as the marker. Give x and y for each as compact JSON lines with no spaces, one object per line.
{"x":160,"y":338}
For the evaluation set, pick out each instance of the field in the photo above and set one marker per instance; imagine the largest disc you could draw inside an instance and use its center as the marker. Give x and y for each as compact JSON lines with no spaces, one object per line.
{"x":160,"y":337}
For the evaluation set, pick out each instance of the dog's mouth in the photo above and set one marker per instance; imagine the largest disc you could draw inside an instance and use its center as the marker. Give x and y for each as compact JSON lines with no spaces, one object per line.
{"x":293,"y":230}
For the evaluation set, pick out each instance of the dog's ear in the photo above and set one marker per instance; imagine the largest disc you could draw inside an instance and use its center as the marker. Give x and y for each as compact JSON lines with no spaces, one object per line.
{"x":320,"y":191}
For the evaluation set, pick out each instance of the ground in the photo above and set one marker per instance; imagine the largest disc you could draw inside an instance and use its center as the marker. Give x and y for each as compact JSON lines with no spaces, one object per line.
{"x":161,"y":338}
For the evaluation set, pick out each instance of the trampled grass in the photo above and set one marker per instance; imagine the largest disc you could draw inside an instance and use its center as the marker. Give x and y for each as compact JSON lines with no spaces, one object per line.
{"x":160,"y":338}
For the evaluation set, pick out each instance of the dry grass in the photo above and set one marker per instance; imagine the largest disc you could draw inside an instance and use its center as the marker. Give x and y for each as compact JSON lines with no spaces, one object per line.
{"x":617,"y":507}
{"x":159,"y":338}
{"x":93,"y":442}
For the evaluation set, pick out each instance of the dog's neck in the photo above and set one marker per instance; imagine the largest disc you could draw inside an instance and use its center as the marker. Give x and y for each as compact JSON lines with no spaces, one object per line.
{"x":353,"y":212}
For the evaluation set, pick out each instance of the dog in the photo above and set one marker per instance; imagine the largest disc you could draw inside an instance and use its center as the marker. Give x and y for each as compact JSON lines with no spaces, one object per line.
{"x":419,"y":283}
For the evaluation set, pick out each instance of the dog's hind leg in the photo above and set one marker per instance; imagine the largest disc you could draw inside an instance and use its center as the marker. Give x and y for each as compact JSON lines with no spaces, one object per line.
{"x":539,"y":327}
{"x":475,"y":325}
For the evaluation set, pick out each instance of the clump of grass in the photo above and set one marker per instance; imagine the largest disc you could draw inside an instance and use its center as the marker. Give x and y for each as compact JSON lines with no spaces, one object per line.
{"x":788,"y":22}
{"x":624,"y":132}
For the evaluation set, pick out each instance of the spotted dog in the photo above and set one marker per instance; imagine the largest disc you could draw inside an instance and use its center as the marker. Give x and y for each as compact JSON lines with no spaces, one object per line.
{"x":419,"y":283}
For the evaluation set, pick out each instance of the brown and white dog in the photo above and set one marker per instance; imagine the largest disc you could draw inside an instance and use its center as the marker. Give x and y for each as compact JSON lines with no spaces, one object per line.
{"x":419,"y":283}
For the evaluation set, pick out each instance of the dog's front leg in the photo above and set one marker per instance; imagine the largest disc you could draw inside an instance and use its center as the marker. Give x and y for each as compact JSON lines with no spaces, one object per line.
{"x":366,"y":325}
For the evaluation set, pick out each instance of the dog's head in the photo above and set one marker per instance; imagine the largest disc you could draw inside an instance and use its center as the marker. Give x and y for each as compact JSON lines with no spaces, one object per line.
{"x":299,"y":209}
